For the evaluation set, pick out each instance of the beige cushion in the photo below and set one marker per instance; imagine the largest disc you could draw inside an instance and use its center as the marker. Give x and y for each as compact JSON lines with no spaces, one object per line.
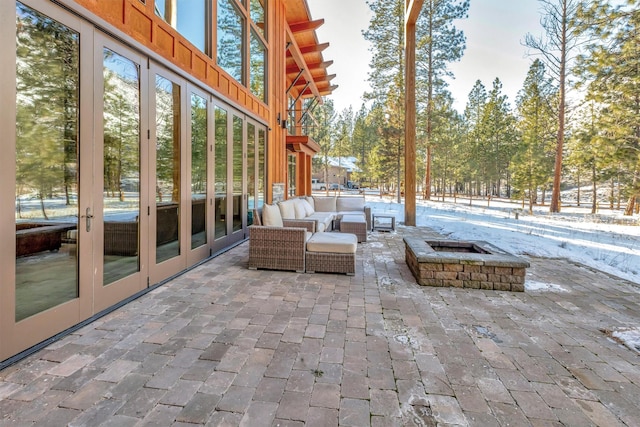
{"x":271,"y":216}
{"x":311,"y":202}
{"x":287,"y":209}
{"x":308,"y":209}
{"x":325,"y":203}
{"x":299,"y":209}
{"x":350,"y":204}
{"x":353,"y":218}
{"x":337,"y":243}
{"x":322,"y":219}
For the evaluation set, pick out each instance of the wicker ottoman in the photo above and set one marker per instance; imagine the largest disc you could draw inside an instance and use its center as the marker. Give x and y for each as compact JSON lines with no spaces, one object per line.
{"x":354,"y":224}
{"x":331,"y":253}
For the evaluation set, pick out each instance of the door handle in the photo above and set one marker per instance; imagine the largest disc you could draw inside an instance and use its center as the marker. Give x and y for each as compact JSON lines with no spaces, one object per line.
{"x":88,"y":217}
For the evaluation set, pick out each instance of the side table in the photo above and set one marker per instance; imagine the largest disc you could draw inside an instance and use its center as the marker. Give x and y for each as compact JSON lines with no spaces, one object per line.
{"x":388,"y":223}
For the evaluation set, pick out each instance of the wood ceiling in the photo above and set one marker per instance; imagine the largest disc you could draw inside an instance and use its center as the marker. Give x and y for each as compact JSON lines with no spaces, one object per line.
{"x":306,"y":67}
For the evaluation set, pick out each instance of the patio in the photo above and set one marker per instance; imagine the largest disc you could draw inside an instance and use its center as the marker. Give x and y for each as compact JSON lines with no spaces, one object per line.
{"x":224,"y":345}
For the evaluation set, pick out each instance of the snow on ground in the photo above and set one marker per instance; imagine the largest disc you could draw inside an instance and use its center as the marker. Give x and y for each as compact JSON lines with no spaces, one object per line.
{"x":574,"y":234}
{"x":629,"y":337}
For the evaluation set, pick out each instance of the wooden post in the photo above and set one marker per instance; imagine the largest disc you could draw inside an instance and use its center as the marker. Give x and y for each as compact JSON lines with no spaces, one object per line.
{"x":412,"y":10}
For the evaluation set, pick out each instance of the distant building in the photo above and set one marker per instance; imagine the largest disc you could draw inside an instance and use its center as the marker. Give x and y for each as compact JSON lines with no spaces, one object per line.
{"x":339,"y":169}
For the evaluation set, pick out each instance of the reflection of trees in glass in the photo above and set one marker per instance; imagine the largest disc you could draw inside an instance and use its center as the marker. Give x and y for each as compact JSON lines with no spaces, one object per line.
{"x":221,"y":151}
{"x":167,"y":138}
{"x":220,"y":206}
{"x":257,"y":67}
{"x":237,"y":155}
{"x":261,"y":165}
{"x":47,"y":107}
{"x":121,"y":122}
{"x":230,"y":33}
{"x":198,"y":144}
{"x":251,"y":165}
{"x":188,"y":17}
{"x":257,"y":13}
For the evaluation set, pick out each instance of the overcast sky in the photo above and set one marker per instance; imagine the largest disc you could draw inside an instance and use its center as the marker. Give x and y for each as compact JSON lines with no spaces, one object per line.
{"x":494,"y":30}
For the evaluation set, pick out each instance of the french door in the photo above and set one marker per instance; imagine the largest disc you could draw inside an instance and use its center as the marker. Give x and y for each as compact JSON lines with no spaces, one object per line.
{"x":124,"y":173}
{"x":47,"y":162}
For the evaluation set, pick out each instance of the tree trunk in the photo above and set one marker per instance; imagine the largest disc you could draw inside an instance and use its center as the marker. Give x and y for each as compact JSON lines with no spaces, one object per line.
{"x":557,"y":174}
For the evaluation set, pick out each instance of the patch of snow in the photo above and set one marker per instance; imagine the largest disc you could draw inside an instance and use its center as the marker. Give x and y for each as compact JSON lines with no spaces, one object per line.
{"x":574,"y":234}
{"x":630,"y":337}
{"x":532,"y":285}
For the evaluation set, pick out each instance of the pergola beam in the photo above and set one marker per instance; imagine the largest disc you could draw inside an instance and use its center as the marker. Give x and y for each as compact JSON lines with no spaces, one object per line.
{"x":294,"y":50}
{"x":412,"y":11}
{"x":306,"y":26}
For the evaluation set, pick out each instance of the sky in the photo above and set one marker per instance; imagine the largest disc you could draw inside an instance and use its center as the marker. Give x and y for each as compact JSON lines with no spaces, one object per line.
{"x":495,"y":31}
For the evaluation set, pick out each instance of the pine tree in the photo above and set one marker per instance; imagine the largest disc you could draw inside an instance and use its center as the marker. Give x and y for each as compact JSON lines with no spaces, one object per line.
{"x":439,"y":43}
{"x":532,"y":164}
{"x":558,"y":49}
{"x":611,"y":70}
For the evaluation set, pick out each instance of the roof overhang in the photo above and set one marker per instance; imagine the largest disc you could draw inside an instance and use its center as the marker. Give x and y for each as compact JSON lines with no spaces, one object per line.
{"x":306,"y":66}
{"x":302,"y":144}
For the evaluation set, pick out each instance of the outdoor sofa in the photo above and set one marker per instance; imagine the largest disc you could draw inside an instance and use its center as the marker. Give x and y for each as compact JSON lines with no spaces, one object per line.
{"x":293,"y":244}
{"x":325,"y":211}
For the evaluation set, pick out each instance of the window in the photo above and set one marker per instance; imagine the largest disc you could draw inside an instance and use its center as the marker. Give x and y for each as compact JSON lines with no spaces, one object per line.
{"x":231,"y":31}
{"x":47,"y":165}
{"x":258,"y":67}
{"x":292,"y":175}
{"x":189,"y":17}
{"x":257,"y":14}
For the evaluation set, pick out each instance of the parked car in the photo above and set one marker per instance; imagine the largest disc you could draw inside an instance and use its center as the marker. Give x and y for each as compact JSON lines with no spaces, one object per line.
{"x":335,"y":186}
{"x":317,"y":185}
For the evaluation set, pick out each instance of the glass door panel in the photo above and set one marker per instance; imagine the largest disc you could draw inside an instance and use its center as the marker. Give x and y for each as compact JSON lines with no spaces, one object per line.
{"x":121,"y":167}
{"x":220,"y":204}
{"x":262,"y":138}
{"x":47,"y":163}
{"x":199,"y":173}
{"x":168,"y":170}
{"x":238,"y":173}
{"x":251,"y":172}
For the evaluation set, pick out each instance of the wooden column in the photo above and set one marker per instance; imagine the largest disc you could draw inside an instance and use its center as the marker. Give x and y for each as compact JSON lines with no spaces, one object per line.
{"x":412,"y":10}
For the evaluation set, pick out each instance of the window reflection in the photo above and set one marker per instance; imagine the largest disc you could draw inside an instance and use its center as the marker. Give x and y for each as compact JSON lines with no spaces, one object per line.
{"x":47,"y":167}
{"x":237,"y":173}
{"x":261,"y":166}
{"x":257,"y":13}
{"x":230,"y":38}
{"x":198,"y":170}
{"x":220,"y":205}
{"x":251,"y":172}
{"x":292,"y":175}
{"x":258,"y":67}
{"x":121,"y":166}
{"x":189,"y":17}
{"x":167,"y":169}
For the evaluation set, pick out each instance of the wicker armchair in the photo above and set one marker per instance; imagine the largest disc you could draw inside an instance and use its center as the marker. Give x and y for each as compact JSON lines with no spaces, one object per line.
{"x":279,"y":248}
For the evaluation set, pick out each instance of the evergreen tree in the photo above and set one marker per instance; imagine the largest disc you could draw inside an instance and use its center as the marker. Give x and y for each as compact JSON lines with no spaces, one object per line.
{"x":611,"y":70}
{"x":439,"y":42}
{"x":532,"y":164}
{"x":324,"y":135}
{"x":558,"y":49}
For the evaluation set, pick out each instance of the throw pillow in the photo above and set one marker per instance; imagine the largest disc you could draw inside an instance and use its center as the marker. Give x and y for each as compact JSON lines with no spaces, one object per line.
{"x":271,"y":216}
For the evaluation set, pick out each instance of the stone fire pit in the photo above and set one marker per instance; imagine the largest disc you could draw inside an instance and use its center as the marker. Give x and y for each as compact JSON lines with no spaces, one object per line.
{"x":464,"y":264}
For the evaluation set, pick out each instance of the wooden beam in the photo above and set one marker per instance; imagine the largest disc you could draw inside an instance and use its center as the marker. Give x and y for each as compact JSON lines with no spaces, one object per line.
{"x":294,"y":50}
{"x":293,"y":70}
{"x":306,"y":26}
{"x":412,"y":11}
{"x":314,"y":48}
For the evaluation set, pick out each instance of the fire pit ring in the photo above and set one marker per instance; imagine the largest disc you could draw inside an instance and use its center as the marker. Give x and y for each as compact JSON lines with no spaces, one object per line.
{"x":464,"y":264}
